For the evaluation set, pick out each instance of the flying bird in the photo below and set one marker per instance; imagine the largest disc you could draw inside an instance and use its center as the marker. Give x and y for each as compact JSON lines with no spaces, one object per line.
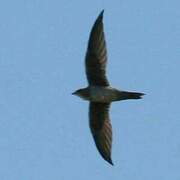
{"x":99,"y":93}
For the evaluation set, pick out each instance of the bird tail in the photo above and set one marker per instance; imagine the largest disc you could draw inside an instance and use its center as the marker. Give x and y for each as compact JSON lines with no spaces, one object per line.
{"x":131,"y":95}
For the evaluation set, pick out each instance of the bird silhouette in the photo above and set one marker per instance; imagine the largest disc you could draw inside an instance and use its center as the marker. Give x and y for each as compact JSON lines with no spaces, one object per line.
{"x":99,"y":92}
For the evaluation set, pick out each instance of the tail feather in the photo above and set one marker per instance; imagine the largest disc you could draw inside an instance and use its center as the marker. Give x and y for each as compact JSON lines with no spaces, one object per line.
{"x":132,"y":95}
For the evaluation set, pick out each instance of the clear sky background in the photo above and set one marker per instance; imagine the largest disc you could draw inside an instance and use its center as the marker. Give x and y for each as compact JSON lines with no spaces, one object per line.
{"x":44,"y":131}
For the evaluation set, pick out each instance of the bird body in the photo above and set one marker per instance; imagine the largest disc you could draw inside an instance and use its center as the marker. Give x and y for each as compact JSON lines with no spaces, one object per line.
{"x":106,"y":94}
{"x":99,"y":93}
{"x":103,"y":94}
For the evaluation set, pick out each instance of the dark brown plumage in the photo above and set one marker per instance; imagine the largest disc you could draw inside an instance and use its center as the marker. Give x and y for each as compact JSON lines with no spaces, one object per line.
{"x":101,"y":129}
{"x":99,"y":93}
{"x":96,"y":59}
{"x":96,"y":56}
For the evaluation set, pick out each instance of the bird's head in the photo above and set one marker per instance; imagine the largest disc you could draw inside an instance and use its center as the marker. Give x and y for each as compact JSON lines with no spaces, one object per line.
{"x":82,"y":93}
{"x":77,"y":92}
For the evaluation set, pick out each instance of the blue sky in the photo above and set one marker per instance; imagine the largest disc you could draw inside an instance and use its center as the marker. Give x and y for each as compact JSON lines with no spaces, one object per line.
{"x":44,"y":131}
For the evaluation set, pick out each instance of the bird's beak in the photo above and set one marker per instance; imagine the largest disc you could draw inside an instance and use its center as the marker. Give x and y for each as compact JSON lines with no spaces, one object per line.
{"x":73,"y":93}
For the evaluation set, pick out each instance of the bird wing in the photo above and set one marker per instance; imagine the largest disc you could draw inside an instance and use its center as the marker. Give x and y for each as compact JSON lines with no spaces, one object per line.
{"x":96,"y":55}
{"x":101,"y":128}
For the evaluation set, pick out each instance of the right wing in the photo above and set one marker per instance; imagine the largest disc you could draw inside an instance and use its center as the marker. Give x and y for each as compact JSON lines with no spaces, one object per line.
{"x":101,"y":128}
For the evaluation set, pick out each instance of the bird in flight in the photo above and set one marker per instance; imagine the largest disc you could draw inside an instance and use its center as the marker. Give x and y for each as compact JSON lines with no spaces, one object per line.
{"x":99,"y":93}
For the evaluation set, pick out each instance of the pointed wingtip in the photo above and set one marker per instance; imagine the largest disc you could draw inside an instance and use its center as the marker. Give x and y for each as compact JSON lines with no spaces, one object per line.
{"x":101,"y":15}
{"x":102,"y":12}
{"x":110,"y":162}
{"x":98,"y":21}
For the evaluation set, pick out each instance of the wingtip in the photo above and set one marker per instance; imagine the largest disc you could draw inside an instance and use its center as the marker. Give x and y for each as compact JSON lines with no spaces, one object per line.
{"x":110,"y":162}
{"x":101,"y":14}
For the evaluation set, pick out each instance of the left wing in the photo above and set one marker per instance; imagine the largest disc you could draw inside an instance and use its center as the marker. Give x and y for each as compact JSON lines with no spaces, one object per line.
{"x":96,"y":56}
